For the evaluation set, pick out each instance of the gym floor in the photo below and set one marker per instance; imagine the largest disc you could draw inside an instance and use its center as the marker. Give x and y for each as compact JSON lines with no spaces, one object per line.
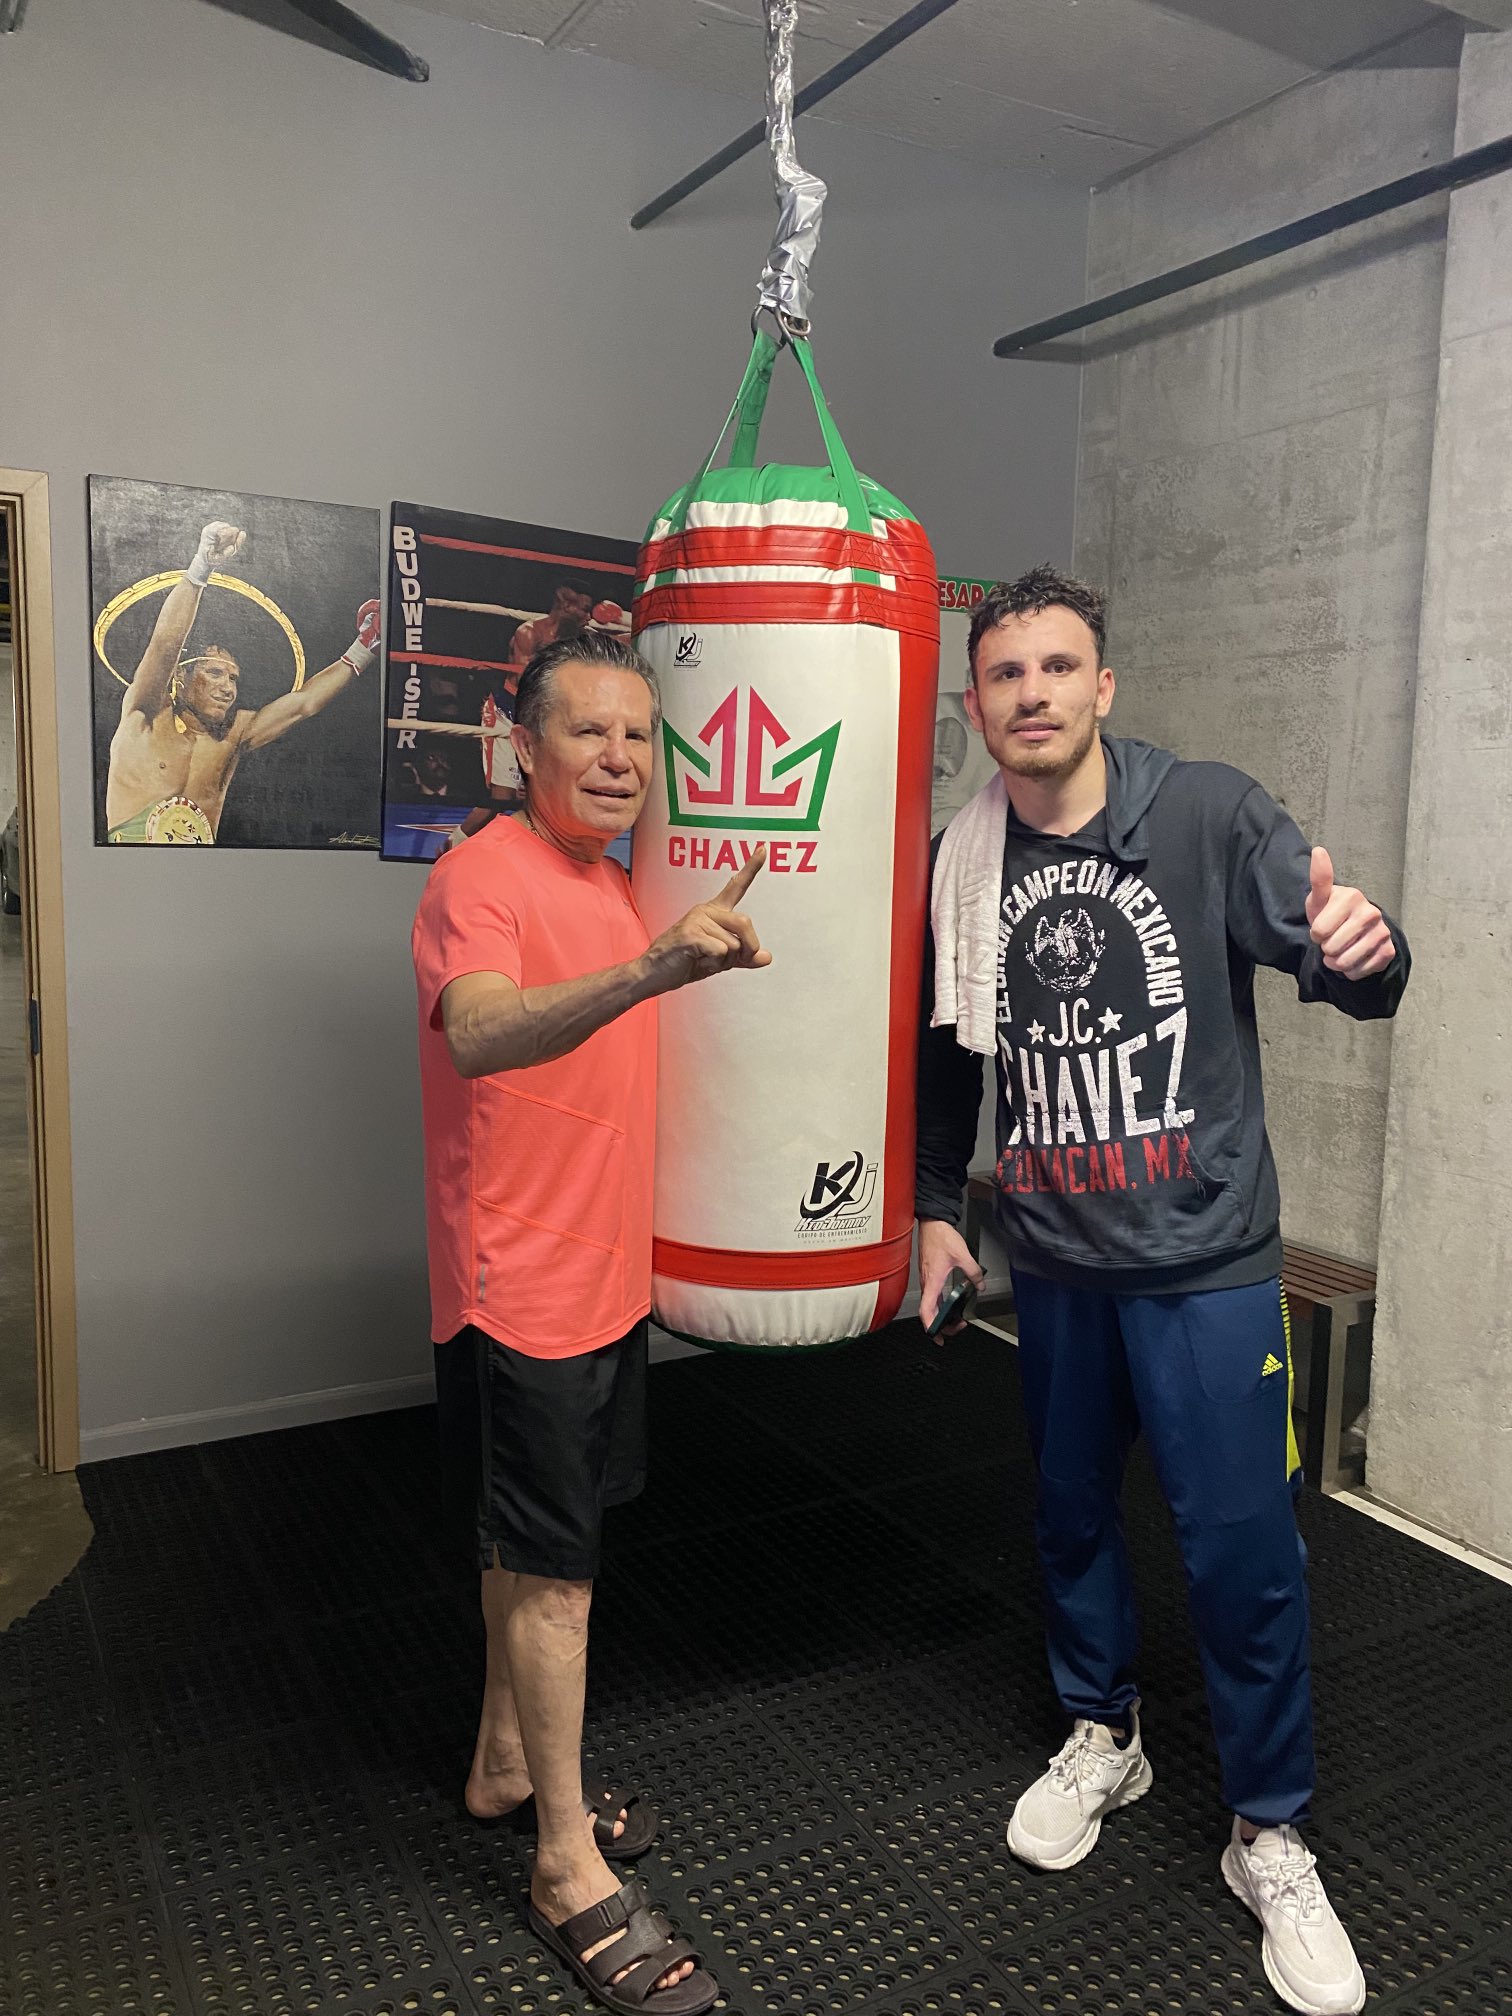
{"x":232,"y":1741}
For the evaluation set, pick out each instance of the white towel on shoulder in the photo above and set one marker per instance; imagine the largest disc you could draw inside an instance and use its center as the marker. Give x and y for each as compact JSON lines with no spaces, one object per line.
{"x":964,"y":906}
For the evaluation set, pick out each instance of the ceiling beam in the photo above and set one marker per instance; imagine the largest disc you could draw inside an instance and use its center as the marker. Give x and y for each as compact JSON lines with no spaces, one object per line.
{"x":364,"y":39}
{"x":333,"y":26}
{"x":1482,"y":13}
{"x":1495,"y":158}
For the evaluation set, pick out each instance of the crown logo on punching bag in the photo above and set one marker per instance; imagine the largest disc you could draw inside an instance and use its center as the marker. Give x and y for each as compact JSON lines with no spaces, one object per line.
{"x":746,"y":780}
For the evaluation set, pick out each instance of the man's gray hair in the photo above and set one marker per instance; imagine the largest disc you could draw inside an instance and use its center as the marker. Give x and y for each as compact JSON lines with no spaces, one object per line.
{"x":535,"y":694}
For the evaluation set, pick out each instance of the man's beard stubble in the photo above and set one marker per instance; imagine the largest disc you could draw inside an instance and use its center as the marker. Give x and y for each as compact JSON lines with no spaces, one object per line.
{"x":1045,"y":763}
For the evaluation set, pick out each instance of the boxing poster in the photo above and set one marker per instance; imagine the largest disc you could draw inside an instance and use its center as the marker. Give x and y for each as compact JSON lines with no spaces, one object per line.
{"x":470,"y":600}
{"x":236,"y":678}
{"x":961,"y":762}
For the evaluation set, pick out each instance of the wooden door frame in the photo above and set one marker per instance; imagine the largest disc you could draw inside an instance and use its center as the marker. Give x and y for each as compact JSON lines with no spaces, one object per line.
{"x":23,"y":499}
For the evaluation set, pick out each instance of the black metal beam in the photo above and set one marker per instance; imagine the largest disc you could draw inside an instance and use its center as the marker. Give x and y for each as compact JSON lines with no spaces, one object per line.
{"x":1493,"y":159}
{"x":880,"y":45}
{"x":363,"y":39}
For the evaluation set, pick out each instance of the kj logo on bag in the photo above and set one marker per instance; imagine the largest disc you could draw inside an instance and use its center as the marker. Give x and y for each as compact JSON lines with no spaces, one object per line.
{"x":838,"y":1202}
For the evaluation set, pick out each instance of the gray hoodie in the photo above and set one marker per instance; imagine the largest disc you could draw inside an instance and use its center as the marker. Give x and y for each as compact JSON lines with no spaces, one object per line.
{"x":1131,"y":1145}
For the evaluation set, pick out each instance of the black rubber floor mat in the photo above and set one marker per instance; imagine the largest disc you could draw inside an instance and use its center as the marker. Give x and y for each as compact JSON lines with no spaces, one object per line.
{"x":231,"y":1745}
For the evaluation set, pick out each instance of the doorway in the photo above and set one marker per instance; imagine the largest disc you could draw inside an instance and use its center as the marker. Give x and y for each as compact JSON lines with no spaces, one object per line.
{"x":18,"y":1321}
{"x":44,"y":1523}
{"x":39,"y":1386}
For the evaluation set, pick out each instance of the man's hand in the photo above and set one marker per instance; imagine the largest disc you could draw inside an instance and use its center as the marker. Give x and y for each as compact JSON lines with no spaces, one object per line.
{"x":1348,"y":928}
{"x":218,"y":543}
{"x":941,"y":1247}
{"x":713,"y":937}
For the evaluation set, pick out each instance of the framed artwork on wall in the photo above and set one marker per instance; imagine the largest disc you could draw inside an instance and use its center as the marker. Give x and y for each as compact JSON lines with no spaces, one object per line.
{"x":470,"y":599}
{"x":236,"y":680}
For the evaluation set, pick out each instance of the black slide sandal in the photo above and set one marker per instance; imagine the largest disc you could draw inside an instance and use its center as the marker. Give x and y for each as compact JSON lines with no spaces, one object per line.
{"x":643,"y":1948}
{"x":604,"y":1805}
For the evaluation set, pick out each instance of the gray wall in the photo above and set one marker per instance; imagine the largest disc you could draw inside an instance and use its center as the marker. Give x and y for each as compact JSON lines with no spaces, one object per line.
{"x":1441,"y":1414}
{"x":234,"y":260}
{"x":1254,"y":488}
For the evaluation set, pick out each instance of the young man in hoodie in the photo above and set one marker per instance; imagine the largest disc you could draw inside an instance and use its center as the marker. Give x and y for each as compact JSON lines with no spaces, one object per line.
{"x":1097,"y":914}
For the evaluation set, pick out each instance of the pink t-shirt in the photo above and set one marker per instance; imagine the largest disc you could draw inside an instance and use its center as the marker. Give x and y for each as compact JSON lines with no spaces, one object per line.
{"x":538,"y":1181}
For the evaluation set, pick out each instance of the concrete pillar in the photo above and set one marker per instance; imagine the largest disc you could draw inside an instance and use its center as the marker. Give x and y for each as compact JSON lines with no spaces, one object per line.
{"x":1441,"y":1414}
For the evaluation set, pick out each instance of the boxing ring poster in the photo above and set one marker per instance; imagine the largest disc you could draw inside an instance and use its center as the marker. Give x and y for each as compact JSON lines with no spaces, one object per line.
{"x":236,"y":682}
{"x":961,"y":762}
{"x":470,"y":600}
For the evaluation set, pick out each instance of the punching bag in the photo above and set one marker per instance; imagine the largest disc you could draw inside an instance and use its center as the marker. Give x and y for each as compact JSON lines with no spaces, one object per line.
{"x":792,"y":617}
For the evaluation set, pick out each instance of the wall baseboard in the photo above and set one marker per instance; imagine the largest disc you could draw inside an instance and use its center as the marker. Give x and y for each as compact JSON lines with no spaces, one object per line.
{"x":1363,"y":1499}
{"x":254,"y":1417}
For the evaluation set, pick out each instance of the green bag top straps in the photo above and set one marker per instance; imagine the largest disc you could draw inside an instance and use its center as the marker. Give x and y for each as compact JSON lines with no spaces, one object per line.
{"x":857,"y":510}
{"x":747,"y":414}
{"x":750,"y":402}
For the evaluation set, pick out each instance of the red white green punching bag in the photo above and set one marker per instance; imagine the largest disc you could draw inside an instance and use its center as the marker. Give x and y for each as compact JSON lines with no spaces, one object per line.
{"x":792,"y":617}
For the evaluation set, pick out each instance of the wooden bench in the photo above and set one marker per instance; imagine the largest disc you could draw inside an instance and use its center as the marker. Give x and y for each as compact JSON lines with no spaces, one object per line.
{"x":1330,"y":1355}
{"x":1332,"y":1302}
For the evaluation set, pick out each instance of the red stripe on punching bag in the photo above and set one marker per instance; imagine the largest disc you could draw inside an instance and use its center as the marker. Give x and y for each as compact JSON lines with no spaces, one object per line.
{"x":838,"y":1267}
{"x":790,"y":602}
{"x":903,"y":549}
{"x":766,"y":545}
{"x":918,"y":668}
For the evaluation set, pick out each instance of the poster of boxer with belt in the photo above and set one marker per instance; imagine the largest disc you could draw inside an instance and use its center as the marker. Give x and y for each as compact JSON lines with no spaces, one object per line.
{"x":233,"y":701}
{"x":470,"y":600}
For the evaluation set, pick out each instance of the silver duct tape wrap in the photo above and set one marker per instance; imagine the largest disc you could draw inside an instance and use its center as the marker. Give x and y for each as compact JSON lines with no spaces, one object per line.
{"x":785,"y":285}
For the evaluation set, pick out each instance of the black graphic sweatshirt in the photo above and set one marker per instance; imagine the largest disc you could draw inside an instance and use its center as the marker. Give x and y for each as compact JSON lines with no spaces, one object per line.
{"x":1132,"y":1153}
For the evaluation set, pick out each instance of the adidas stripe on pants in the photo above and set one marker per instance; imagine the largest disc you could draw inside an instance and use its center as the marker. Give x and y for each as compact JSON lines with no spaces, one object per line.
{"x":1206,"y":1378}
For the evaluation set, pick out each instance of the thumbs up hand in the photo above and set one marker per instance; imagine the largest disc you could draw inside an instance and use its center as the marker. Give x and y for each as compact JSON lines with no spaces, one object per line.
{"x":1321,"y":879}
{"x":1346,"y":926}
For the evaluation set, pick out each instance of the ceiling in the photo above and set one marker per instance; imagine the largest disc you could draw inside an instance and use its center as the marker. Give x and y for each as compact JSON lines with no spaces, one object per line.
{"x":1074,"y":89}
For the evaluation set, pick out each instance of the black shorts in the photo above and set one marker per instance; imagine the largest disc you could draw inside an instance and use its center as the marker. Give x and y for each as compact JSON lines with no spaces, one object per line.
{"x":535,"y":1449}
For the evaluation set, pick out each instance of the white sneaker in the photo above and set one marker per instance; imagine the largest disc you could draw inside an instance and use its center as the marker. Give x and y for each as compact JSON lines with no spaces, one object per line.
{"x":1059,"y":1818}
{"x":1307,"y":1954}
